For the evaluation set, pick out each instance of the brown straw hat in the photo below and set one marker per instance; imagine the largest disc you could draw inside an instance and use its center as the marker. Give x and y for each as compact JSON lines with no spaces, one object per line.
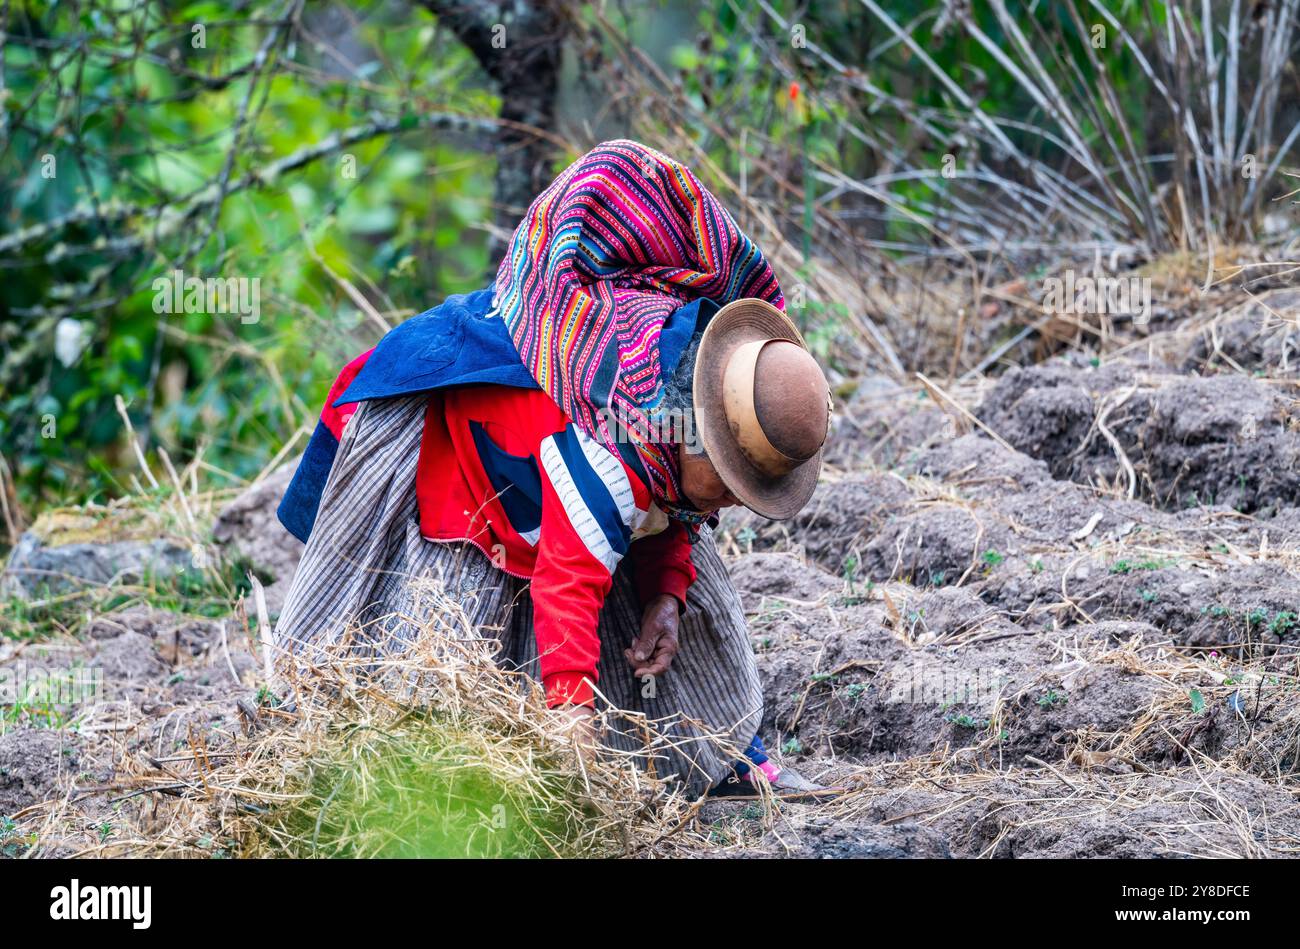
{"x":762,"y":407}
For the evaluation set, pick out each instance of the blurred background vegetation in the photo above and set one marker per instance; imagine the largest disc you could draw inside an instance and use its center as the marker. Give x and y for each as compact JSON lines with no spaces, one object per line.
{"x":363,"y":160}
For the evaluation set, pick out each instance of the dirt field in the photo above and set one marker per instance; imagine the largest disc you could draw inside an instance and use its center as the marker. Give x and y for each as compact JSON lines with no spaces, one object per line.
{"x":1060,"y":623}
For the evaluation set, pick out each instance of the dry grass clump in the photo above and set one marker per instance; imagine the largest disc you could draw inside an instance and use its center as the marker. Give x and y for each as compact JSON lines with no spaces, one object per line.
{"x":440,"y":752}
{"x":437,"y":752}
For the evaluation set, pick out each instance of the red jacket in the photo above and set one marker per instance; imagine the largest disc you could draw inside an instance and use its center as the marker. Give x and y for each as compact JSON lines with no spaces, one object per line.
{"x":505,"y":469}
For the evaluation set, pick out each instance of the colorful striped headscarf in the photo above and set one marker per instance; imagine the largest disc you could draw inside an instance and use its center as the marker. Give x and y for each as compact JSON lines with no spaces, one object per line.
{"x":620,"y":240}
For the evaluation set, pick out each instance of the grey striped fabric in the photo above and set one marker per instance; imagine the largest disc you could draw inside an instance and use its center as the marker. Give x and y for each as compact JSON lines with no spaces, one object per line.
{"x":366,"y":546}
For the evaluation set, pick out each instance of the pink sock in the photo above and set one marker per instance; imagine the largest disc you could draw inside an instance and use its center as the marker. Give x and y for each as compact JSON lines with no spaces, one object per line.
{"x":768,"y":768}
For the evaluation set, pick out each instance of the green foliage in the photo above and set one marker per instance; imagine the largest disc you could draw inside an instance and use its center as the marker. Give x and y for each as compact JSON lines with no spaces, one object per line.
{"x":943,"y":129}
{"x":831,"y":122}
{"x":419,"y":803}
{"x":134,"y":120}
{"x":12,"y":844}
{"x":856,"y":690}
{"x":1052,"y":698}
{"x":1128,"y":566}
{"x":1282,"y":623}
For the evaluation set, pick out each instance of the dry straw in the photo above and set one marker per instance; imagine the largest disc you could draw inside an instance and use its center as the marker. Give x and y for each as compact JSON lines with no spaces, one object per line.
{"x":365,"y":750}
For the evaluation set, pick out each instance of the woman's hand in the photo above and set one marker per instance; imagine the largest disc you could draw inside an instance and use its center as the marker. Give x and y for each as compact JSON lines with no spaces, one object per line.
{"x":652,"y":652}
{"x":577,"y":723}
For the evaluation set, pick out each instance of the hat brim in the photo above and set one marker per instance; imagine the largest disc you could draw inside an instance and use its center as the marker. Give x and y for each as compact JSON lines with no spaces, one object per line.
{"x":738,"y":323}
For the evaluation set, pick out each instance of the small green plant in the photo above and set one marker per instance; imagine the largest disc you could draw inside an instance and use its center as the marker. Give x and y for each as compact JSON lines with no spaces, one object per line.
{"x":1051,"y":698}
{"x":855,"y":690}
{"x":1036,"y":567}
{"x":11,"y":844}
{"x":1198,"y":701}
{"x":720,"y":834}
{"x":792,"y":746}
{"x":849,"y":570}
{"x":1128,"y":566}
{"x":992,"y":558}
{"x":967,"y":721}
{"x":1282,"y":623}
{"x":1148,"y":596}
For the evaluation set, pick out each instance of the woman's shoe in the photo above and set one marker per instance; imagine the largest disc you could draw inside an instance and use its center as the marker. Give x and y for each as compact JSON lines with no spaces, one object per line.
{"x":788,"y":785}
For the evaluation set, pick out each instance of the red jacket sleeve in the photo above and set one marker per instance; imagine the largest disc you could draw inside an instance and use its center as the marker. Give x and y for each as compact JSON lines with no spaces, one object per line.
{"x":336,"y":418}
{"x":569,"y":586}
{"x":661,"y":563}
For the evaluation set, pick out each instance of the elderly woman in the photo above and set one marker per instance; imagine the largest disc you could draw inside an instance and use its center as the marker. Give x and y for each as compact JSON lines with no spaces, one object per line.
{"x":554,"y":450}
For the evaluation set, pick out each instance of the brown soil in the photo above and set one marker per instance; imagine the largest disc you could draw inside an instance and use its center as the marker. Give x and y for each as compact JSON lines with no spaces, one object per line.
{"x":1081,"y":645}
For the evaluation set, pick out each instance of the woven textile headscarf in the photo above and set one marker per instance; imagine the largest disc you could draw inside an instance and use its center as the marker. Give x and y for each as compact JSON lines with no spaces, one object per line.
{"x":621,"y":239}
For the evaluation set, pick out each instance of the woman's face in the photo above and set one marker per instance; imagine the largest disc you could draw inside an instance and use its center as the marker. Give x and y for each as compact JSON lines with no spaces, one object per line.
{"x":700,"y":482}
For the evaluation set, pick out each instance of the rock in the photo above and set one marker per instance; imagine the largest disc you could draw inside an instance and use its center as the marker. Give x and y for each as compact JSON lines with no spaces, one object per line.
{"x":36,"y":569}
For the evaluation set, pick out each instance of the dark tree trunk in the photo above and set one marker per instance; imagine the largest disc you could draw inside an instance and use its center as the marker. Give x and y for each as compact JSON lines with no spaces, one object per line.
{"x":519,"y":44}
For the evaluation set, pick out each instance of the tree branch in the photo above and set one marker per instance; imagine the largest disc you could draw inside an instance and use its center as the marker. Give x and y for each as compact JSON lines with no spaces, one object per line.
{"x":519,"y":44}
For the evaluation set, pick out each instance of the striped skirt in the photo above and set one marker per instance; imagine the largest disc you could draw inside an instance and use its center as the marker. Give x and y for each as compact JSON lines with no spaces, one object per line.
{"x":366,"y":547}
